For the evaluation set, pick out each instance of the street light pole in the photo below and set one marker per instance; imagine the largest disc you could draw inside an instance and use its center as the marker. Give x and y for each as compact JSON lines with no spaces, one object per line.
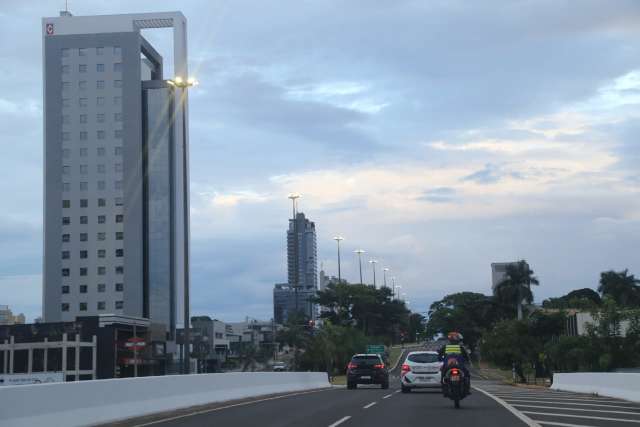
{"x":338,"y":239}
{"x":180,"y":83}
{"x":373,"y":263}
{"x":360,"y":252}
{"x":384,"y":272}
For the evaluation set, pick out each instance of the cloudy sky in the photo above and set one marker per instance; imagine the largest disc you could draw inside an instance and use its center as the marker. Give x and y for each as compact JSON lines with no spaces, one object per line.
{"x":440,"y":136}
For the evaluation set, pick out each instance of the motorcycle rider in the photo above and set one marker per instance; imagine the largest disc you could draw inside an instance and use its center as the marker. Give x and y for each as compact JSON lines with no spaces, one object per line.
{"x":455,"y":353}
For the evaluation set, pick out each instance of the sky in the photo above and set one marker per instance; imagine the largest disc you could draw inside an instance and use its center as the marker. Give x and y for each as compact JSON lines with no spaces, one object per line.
{"x":439,"y":136}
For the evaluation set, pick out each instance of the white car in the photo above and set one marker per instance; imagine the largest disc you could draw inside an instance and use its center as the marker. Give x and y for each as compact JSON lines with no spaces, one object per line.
{"x":421,"y":369}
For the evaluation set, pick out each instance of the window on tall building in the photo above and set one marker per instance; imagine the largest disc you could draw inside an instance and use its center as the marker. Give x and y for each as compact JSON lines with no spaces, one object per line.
{"x":102,"y":305}
{"x":84,"y":203}
{"x":66,"y":102}
{"x":65,"y":52}
{"x":84,"y":254}
{"x":117,"y":83}
{"x":66,"y":69}
{"x":66,"y":203}
{"x":66,"y":153}
{"x":66,"y":220}
{"x":119,"y":253}
{"x":102,"y":185}
{"x":117,"y":67}
{"x":65,"y":272}
{"x":101,"y":168}
{"x":101,"y":236}
{"x":102,"y":219}
{"x":117,"y":151}
{"x":66,"y":86}
{"x":99,"y":84}
{"x":84,"y":219}
{"x":83,"y":135}
{"x":66,"y":237}
{"x":100,"y":100}
{"x":82,"y":51}
{"x":82,"y":102}
{"x":117,"y":100}
{"x":100,"y":68}
{"x":118,"y":201}
{"x":119,"y":235}
{"x":100,"y":134}
{"x":66,"y":170}
{"x":118,"y":185}
{"x":82,"y":68}
{"x":83,"y":271}
{"x":83,"y":306}
{"x":84,"y":152}
{"x":101,"y":151}
{"x":119,"y":218}
{"x":84,"y":169}
{"x":102,"y":203}
{"x":119,"y":305}
{"x":102,"y":253}
{"x":102,"y":271}
{"x":65,"y":289}
{"x":66,"y":136}
{"x":66,"y":255}
{"x":66,"y":119}
{"x":99,"y":51}
{"x":119,"y":287}
{"x":82,"y":84}
{"x":117,"y":51}
{"x":102,"y":287}
{"x":84,"y":186}
{"x":117,"y":117}
{"x":83,"y":118}
{"x":117,"y":134}
{"x":64,"y":306}
{"x":119,"y":269}
{"x":66,"y":187}
{"x":83,"y":289}
{"x":118,"y":167}
{"x":84,"y":237}
{"x":100,"y":118}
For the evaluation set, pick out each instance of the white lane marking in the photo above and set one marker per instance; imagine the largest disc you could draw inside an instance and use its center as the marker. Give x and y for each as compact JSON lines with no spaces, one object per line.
{"x":369,"y":405}
{"x":574,"y":399}
{"x":340,"y":421}
{"x":558,"y":402}
{"x":387,"y":396}
{"x":560,"y":408}
{"x":551,"y":414}
{"x":220,"y":408}
{"x":528,"y":421}
{"x":398,"y":391}
{"x":553,"y":423}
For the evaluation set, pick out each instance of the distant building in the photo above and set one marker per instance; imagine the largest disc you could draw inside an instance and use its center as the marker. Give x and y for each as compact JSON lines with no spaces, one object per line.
{"x":210,"y":342}
{"x":286,"y":302}
{"x":8,"y":318}
{"x":499,"y":273}
{"x":302,"y":253}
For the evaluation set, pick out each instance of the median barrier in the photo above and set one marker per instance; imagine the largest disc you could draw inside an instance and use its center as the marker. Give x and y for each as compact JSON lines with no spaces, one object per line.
{"x":98,"y":401}
{"x":611,"y":384}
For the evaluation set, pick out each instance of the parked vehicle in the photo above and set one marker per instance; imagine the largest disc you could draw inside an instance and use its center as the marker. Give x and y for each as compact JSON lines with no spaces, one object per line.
{"x":421,"y":369}
{"x":367,"y":369}
{"x":279,"y":367}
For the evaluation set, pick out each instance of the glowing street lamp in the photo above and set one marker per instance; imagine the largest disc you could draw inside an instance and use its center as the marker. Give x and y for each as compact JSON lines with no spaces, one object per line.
{"x":373,"y":263}
{"x":360,"y":252}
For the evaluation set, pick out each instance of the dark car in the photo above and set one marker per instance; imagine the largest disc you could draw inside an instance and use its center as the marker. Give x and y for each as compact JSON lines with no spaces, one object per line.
{"x":367,"y":369}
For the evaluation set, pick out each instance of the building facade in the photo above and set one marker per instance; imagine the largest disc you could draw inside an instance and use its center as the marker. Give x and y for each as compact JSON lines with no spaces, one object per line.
{"x":116,"y":228}
{"x":8,"y":318}
{"x":302,"y":253}
{"x":499,"y":272}
{"x":287,"y":301}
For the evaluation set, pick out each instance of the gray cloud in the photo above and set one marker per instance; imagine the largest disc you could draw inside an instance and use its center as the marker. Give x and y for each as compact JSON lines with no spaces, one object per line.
{"x":439,"y":195}
{"x":491,"y":174}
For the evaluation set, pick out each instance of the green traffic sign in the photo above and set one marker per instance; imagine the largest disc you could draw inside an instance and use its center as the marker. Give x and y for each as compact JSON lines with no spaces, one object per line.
{"x":375,"y":349}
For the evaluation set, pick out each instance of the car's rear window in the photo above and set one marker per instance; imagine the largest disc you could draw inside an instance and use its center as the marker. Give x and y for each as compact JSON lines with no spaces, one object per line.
{"x":366,"y":360}
{"x":423,"y":358}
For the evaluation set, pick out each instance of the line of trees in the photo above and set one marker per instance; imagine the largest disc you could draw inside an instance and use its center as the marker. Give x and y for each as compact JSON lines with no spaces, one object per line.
{"x":539,"y":341}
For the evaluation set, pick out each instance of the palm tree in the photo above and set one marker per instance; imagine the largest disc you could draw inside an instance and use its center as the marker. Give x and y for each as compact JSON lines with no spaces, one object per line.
{"x":621,"y":286}
{"x":516,"y":287}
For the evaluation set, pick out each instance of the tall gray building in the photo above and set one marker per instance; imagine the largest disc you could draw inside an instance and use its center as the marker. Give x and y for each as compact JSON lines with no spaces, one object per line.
{"x":116,"y":225}
{"x":302,"y":253}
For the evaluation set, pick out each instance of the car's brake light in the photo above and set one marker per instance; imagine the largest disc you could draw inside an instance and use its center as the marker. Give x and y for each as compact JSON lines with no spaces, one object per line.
{"x":378,"y":366}
{"x":406,"y":368}
{"x":352,"y":365}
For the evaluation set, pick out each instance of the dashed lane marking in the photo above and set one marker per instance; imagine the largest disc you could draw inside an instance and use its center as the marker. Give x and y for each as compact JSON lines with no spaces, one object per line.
{"x":553,"y":423}
{"x":369,"y":405}
{"x":551,"y":414}
{"x":387,"y":396}
{"x":340,"y":421}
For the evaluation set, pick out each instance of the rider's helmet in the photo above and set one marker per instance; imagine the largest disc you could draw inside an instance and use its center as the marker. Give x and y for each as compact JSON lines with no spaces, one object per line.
{"x":454,"y":337}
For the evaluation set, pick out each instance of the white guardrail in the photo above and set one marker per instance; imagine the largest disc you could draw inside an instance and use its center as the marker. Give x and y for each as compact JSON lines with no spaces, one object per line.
{"x":93,"y":402}
{"x":611,"y":384}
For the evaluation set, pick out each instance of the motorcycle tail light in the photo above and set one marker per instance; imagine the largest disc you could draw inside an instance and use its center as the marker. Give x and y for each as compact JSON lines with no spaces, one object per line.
{"x":455,"y":372}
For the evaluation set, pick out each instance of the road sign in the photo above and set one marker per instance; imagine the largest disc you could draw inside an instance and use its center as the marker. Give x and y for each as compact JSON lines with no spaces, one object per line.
{"x":135,"y":342}
{"x":375,"y":349}
{"x":50,"y":29}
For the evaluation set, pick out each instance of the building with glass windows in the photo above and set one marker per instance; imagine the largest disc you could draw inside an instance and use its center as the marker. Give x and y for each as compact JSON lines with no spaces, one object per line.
{"x":116,"y":225}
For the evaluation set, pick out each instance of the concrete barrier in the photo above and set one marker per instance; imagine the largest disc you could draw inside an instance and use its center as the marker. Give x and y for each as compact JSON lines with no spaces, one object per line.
{"x":92,"y":402}
{"x":611,"y":384}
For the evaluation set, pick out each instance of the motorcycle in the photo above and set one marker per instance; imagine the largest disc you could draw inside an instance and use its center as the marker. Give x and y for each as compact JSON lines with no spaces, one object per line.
{"x":454,"y":385}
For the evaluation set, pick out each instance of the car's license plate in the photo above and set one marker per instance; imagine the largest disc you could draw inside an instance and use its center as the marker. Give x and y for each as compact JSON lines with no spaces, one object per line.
{"x":365,"y":377}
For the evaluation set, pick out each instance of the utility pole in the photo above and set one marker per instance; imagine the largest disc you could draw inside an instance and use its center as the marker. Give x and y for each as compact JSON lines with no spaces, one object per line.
{"x":360,"y":252}
{"x":384,"y":272}
{"x":338,"y":239}
{"x":373,"y":263}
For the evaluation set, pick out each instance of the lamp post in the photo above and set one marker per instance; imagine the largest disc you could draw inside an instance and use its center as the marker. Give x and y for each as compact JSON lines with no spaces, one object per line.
{"x":182,"y":84}
{"x":373,"y":263}
{"x":338,"y":239}
{"x":360,"y":252}
{"x":384,"y":272}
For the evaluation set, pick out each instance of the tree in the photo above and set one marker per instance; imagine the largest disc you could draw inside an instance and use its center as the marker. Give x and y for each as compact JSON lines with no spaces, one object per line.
{"x":516,"y":287}
{"x":583,"y":299}
{"x":620,"y":286}
{"x":509,"y":344}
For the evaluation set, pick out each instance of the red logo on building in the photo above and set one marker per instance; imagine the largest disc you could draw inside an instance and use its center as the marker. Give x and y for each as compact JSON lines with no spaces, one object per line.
{"x":49,"y":29}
